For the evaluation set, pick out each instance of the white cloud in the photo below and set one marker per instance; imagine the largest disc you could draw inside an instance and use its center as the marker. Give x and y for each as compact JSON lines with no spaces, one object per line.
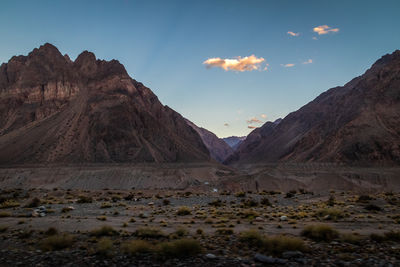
{"x":263,"y":116}
{"x":236,"y":64}
{"x":289,"y":65}
{"x":295,"y":34}
{"x":253,"y":120}
{"x":325,"y":29}
{"x":251,"y":127}
{"x":308,"y":61}
{"x":315,"y":38}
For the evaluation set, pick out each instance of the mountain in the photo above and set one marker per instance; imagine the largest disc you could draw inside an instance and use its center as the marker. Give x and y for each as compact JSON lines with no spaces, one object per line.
{"x":54,"y":110}
{"x":356,"y":123}
{"x":219,"y":150}
{"x":234,"y":141}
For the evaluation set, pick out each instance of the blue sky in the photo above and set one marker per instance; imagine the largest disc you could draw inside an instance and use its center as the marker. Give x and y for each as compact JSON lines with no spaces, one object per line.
{"x":165,"y":43}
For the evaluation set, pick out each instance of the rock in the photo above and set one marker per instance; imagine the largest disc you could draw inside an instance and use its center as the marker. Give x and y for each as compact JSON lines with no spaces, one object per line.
{"x":283,"y":218}
{"x":211,"y":256}
{"x":269,"y":260}
{"x":151,"y":204}
{"x":259,"y":219}
{"x":291,"y":254}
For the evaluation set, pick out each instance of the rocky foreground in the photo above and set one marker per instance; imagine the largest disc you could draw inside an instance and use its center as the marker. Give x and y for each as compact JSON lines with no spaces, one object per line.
{"x":182,"y":228}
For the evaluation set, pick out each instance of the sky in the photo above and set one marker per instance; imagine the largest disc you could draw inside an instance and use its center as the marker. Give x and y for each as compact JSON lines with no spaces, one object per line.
{"x":228,"y":66}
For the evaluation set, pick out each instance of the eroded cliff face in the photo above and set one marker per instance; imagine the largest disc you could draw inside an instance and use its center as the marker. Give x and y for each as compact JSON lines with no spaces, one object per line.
{"x":54,"y":110}
{"x":356,"y":123}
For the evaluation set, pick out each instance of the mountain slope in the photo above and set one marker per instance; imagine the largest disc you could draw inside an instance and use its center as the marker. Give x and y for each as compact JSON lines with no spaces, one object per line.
{"x":234,"y":141}
{"x":359,"y":122}
{"x":219,"y":150}
{"x":53,"y":110}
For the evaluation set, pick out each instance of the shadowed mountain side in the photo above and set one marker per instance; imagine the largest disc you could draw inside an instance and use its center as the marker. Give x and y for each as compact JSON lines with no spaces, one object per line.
{"x":53,"y":110}
{"x":219,"y":150}
{"x":358,"y":123}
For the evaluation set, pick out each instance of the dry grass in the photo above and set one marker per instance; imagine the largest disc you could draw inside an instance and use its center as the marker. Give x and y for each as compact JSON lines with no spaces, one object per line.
{"x":56,"y":242}
{"x":320,"y":232}
{"x":149,"y":232}
{"x":104,"y":231}
{"x":134,"y":247}
{"x":179,"y":248}
{"x":182,"y":211}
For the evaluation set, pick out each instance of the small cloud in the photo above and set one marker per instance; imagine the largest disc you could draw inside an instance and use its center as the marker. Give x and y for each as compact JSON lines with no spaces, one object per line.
{"x":253,"y":120}
{"x":289,"y":65}
{"x":325,"y":29}
{"x":315,"y":38}
{"x":295,"y":34}
{"x":236,"y":64}
{"x":251,"y":127}
{"x":308,"y":61}
{"x":226,"y":124}
{"x":263,"y":116}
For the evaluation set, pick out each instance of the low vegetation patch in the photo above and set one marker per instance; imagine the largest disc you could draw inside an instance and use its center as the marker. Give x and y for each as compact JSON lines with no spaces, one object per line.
{"x":4,"y":214}
{"x":134,"y":247}
{"x":56,"y":242}
{"x":104,"y":231}
{"x":330,"y":214}
{"x":35,"y":202}
{"x":84,"y":199}
{"x":320,"y":232}
{"x":9,"y":203}
{"x":104,"y":247}
{"x":149,"y":232}
{"x":275,"y":245}
{"x":179,"y":248}
{"x":184,"y":211}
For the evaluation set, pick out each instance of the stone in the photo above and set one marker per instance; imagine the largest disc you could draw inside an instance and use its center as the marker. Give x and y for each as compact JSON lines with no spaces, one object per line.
{"x":283,"y":218}
{"x":292,"y":254}
{"x":211,"y":256}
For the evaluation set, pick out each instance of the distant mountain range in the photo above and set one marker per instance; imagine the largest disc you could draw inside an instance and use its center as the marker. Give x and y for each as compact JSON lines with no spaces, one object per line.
{"x":219,"y":150}
{"x":234,"y":141}
{"x":54,"y":110}
{"x":355,"y":123}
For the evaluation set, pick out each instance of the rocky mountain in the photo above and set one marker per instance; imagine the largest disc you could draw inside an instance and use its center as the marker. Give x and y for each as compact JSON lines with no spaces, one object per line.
{"x":54,"y":110}
{"x":355,"y":123}
{"x":219,"y":150}
{"x":234,"y":141}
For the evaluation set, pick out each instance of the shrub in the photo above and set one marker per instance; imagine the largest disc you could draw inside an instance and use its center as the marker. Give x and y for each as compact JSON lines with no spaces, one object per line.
{"x":392,"y":236}
{"x":224,"y":231}
{"x":9,"y":203}
{"x":148,"y":232}
{"x":372,"y":207}
{"x":351,"y":238}
{"x":265,"y":201}
{"x":331,"y":201}
{"x":56,"y":242}
{"x":101,"y":218}
{"x":51,"y":231}
{"x":332,"y":214}
{"x":183,"y":211}
{"x":364,"y":198}
{"x":252,"y":237}
{"x":279,"y":244}
{"x":104,"y":247}
{"x":35,"y":202}
{"x":250,"y":203}
{"x":66,"y":209}
{"x":179,"y":248}
{"x":216,"y":203}
{"x":105,"y":205}
{"x":291,"y":194}
{"x":3,"y":228}
{"x":321,"y":232}
{"x":181,"y":231}
{"x":4,"y":214}
{"x":104,"y":231}
{"x":166,"y":202}
{"x":137,"y":247}
{"x":240,"y":194}
{"x":84,"y":199}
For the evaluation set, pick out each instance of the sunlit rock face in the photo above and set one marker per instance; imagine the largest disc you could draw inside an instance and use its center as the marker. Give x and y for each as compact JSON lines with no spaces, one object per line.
{"x":54,"y":110}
